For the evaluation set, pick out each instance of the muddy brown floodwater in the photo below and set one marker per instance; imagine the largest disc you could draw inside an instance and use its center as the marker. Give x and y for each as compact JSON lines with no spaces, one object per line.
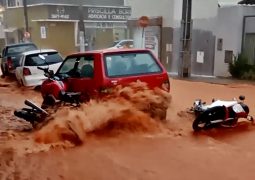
{"x":121,"y":141}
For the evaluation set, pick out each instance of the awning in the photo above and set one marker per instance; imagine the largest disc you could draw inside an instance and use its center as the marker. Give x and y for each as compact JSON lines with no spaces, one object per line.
{"x":10,"y":30}
{"x":251,"y":2}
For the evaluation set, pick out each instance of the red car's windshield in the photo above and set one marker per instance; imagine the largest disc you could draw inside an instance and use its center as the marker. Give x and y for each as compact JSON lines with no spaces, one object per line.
{"x":128,"y":64}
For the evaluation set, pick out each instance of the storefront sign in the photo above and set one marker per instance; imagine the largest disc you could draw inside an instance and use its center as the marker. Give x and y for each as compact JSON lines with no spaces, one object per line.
{"x":90,"y":13}
{"x":63,"y":12}
{"x":106,"y":13}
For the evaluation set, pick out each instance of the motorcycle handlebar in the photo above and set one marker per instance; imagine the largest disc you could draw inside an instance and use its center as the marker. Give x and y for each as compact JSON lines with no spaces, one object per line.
{"x":43,"y":69}
{"x":34,"y":106}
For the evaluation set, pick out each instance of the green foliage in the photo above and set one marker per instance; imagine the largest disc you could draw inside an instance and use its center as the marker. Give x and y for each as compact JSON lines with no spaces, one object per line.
{"x":250,"y":75}
{"x":241,"y":69}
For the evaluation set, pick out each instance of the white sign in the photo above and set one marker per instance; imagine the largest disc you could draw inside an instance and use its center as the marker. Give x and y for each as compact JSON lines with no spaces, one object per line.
{"x":169,"y":47}
{"x":200,"y":56}
{"x":43,"y":32}
{"x":60,"y":14}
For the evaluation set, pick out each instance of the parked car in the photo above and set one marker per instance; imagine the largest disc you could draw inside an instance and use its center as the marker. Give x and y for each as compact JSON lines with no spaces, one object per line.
{"x":95,"y":73}
{"x":11,"y":55}
{"x":28,"y":73}
{"x":125,"y":43}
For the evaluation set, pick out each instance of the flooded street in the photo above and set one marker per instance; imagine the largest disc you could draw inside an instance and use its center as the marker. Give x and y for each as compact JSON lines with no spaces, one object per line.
{"x":133,"y":146}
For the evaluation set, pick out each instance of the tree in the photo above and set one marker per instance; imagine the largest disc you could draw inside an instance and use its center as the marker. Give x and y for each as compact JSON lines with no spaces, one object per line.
{"x":247,"y":2}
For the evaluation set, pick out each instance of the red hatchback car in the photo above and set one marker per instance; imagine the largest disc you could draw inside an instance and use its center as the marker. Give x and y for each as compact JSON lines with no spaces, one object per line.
{"x":94,"y":72}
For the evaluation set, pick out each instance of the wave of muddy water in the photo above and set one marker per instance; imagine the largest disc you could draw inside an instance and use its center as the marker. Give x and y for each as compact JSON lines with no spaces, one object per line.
{"x":130,"y":110}
{"x":133,"y":109}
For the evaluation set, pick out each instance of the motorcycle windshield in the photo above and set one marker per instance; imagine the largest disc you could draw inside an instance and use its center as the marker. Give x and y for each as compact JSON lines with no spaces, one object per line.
{"x":238,"y":108}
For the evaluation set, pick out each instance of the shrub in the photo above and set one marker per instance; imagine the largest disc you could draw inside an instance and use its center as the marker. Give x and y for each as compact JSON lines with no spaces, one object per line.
{"x":250,"y":75}
{"x":240,"y":68}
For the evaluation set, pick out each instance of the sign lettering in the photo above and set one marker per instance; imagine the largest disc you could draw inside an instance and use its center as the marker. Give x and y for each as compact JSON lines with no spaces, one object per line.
{"x":107,"y":13}
{"x":90,"y":13}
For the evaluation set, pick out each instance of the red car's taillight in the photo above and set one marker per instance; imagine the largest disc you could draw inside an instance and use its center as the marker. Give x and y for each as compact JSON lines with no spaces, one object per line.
{"x":166,"y":85}
{"x":9,"y":63}
{"x":26,"y":72}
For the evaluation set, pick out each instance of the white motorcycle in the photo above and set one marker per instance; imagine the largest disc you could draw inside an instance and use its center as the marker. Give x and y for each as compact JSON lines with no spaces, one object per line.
{"x":220,"y":112}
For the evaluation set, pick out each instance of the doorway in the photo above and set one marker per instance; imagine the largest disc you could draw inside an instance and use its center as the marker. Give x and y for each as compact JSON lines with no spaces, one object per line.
{"x":249,"y":48}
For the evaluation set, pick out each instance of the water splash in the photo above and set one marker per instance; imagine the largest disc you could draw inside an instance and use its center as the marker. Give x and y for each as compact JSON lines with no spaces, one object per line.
{"x":135,"y":109}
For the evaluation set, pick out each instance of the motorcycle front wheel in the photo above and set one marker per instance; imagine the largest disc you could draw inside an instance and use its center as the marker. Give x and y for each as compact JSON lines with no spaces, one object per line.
{"x":203,"y":121}
{"x":199,"y":123}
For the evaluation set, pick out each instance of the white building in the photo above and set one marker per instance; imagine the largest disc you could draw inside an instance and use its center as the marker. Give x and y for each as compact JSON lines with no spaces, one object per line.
{"x":217,"y":33}
{"x":236,"y":29}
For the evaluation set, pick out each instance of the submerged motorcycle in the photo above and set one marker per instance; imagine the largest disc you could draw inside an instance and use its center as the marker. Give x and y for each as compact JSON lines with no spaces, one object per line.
{"x":32,"y":114}
{"x":35,"y":114}
{"x":219,"y":113}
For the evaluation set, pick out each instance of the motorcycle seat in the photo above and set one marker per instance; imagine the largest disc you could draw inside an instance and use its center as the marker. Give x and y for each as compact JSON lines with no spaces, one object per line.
{"x":70,"y":97}
{"x":222,"y":103}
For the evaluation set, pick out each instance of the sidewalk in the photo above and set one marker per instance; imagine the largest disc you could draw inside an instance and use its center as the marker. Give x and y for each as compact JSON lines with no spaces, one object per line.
{"x":214,"y":80}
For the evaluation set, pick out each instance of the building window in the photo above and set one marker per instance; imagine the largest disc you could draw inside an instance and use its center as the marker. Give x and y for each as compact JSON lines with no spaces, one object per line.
{"x":228,"y":56}
{"x":220,"y":44}
{"x":14,"y":3}
{"x":11,"y":3}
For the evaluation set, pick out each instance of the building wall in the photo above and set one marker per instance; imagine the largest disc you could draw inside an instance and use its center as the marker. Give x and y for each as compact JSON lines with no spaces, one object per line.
{"x":153,"y":8}
{"x":62,"y":30}
{"x":230,"y":33}
{"x":204,"y":15}
{"x":14,"y":17}
{"x":10,"y":17}
{"x":59,"y":36}
{"x":55,"y":31}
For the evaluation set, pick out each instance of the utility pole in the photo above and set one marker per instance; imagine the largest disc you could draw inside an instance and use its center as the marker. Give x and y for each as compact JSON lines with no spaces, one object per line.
{"x":25,"y":15}
{"x":81,"y":28}
{"x":26,"y":33}
{"x":186,"y":38}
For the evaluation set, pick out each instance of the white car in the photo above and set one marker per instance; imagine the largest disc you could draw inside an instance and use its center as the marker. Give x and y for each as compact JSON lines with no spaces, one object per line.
{"x":28,"y":74}
{"x":125,"y":43}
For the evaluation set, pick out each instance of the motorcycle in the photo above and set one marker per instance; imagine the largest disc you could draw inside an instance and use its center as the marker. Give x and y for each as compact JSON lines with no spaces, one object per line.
{"x":219,"y":113}
{"x":198,"y":107}
{"x":34,"y":114}
{"x":59,"y":96}
{"x":57,"y":87}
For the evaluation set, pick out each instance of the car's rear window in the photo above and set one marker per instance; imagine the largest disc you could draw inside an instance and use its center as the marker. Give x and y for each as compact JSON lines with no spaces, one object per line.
{"x":21,"y":48}
{"x":129,"y":64}
{"x":42,"y":59}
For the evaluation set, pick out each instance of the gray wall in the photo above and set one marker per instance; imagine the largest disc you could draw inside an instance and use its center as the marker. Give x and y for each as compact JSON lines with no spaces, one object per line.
{"x":167,"y":38}
{"x":151,"y":8}
{"x":204,"y":15}
{"x":203,"y":41}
